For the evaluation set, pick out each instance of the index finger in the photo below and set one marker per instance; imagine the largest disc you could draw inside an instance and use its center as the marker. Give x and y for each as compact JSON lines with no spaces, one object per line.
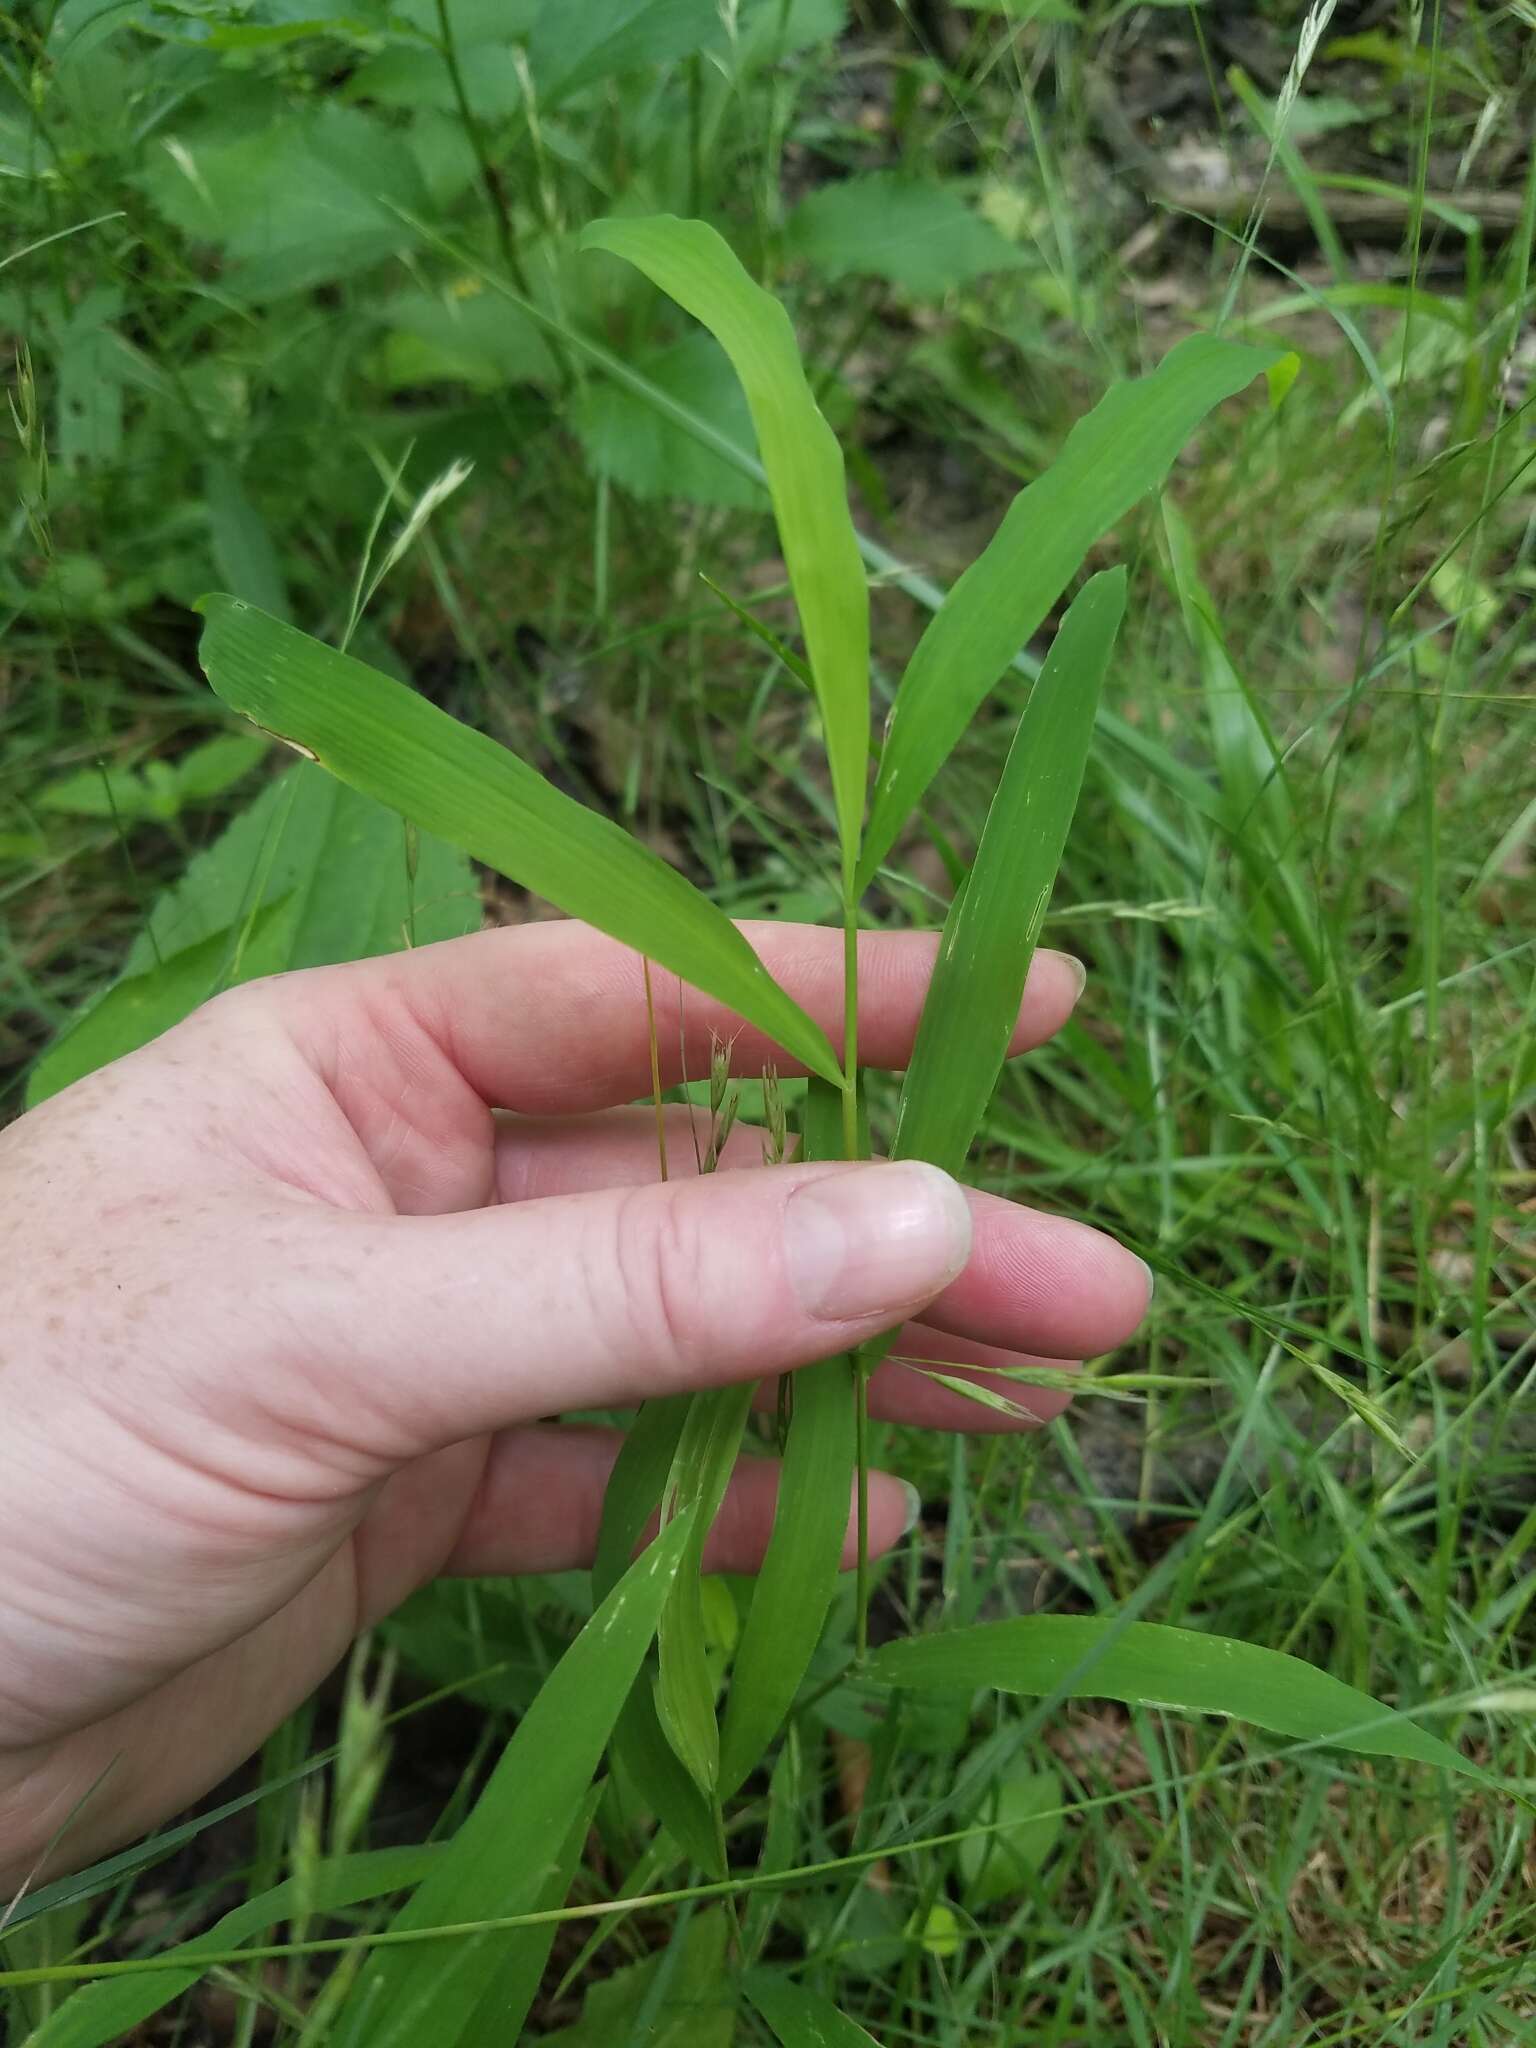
{"x":550,"y":1019}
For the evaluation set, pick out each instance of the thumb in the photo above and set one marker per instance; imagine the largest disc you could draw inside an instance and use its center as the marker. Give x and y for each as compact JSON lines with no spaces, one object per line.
{"x":446,"y":1326}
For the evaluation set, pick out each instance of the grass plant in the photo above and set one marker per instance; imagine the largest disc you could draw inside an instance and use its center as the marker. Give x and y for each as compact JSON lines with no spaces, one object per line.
{"x":265,"y":269}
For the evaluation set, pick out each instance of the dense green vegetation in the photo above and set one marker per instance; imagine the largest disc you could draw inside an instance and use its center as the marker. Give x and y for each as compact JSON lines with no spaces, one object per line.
{"x":275,"y":280}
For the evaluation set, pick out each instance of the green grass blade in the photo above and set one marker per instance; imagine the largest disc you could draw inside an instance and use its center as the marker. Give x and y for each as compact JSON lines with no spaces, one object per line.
{"x":1112,"y":457}
{"x":634,"y":1492}
{"x":800,"y":1568}
{"x":501,"y":2012}
{"x":635,"y":1486}
{"x":801,"y":2018}
{"x":692,"y":264}
{"x":994,"y":923}
{"x":701,"y":1471}
{"x":663,"y":1783}
{"x":380,"y":737}
{"x":1144,"y":1664}
{"x":501,"y":1858}
{"x":789,"y":1812}
{"x":104,"y":2012}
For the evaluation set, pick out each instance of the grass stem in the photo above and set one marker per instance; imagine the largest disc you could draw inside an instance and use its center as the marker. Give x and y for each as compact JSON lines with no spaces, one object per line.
{"x":490,"y":176}
{"x":851,"y":1150}
{"x":861,"y":1457}
{"x":850,"y":1028}
{"x":661,"y":1114}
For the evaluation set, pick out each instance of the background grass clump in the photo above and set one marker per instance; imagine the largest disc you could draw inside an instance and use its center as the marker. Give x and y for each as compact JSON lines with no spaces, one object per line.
{"x":270,"y":277}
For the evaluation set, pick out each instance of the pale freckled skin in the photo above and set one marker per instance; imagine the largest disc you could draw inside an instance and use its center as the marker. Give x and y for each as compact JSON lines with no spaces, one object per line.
{"x":277,"y":1323}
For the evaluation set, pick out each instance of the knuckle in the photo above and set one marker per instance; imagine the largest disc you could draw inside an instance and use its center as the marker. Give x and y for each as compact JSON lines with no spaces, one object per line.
{"x":658,"y":1259}
{"x":235,"y":1010}
{"x":229,"y":1003}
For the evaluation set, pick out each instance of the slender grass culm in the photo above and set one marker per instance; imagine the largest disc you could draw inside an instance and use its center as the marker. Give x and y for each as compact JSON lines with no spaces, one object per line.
{"x":641,"y":1684}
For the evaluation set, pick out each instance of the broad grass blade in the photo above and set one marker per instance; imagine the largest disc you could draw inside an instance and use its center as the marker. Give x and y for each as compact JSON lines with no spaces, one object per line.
{"x":800,"y":1567}
{"x":801,"y":2018}
{"x":692,"y":264}
{"x":635,"y":1487}
{"x":502,"y":1857}
{"x":788,"y":1809}
{"x":1113,"y":456}
{"x":634,"y":1492}
{"x":1144,"y":1664}
{"x":701,"y":1471}
{"x":380,"y":737}
{"x":1256,"y":811}
{"x":501,"y":2012}
{"x":662,"y":1782}
{"x":990,"y":934}
{"x":105,"y":2012}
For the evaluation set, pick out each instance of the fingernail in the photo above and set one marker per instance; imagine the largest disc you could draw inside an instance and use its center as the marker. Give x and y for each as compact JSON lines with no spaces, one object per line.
{"x":914,"y":1511}
{"x":1151,"y":1277}
{"x":1079,"y":973}
{"x":876,"y":1240}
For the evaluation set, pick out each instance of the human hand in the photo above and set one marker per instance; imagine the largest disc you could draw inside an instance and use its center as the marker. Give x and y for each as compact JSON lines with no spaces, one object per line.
{"x":285,"y":1297}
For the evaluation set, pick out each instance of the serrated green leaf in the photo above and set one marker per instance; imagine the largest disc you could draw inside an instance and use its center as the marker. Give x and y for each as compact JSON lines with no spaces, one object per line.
{"x":574,"y":47}
{"x":1146,"y":1664}
{"x":309,"y":874}
{"x":990,"y":934}
{"x":500,"y":1860}
{"x":1111,"y":458}
{"x":626,"y":438}
{"x":459,"y":338}
{"x":414,"y":76}
{"x":380,"y":737}
{"x":141,"y":1006}
{"x":294,"y":201}
{"x":912,"y":231}
{"x":804,"y":466}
